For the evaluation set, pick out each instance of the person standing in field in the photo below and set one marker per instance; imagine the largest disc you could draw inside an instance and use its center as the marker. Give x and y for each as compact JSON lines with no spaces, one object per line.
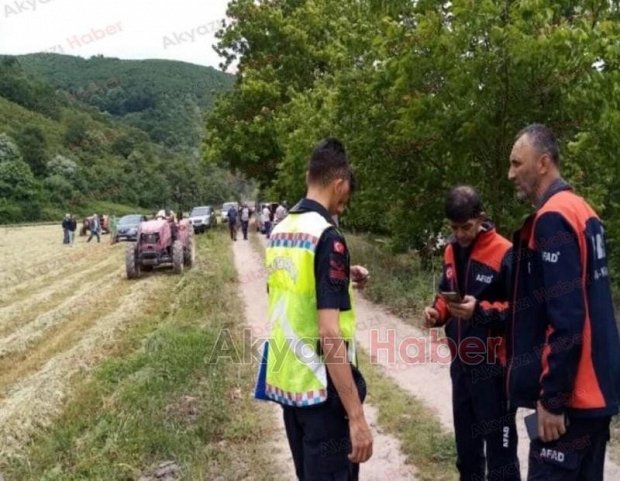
{"x":95,"y":228}
{"x":66,"y":222}
{"x":72,"y":228}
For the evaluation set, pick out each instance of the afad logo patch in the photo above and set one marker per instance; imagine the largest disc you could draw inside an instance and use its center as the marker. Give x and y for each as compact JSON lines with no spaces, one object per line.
{"x":339,"y":247}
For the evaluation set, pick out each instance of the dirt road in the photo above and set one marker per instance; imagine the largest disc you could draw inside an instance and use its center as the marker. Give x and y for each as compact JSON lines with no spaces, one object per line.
{"x":61,"y":309}
{"x":387,"y":459}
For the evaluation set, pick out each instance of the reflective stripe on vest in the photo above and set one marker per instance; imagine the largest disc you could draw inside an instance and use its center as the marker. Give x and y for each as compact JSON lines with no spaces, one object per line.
{"x":295,"y":373}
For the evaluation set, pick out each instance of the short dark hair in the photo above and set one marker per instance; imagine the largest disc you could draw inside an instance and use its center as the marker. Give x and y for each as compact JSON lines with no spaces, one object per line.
{"x":328,"y":162}
{"x":463,"y":203}
{"x":543,"y":140}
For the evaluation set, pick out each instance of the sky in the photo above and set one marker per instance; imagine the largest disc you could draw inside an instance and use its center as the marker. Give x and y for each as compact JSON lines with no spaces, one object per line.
{"x":128,"y":29}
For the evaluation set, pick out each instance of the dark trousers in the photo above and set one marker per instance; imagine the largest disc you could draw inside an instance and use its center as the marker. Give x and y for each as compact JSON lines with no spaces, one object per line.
{"x":66,"y":239}
{"x":319,"y":437}
{"x":267,"y":229}
{"x":232,"y":227}
{"x":244,"y":228}
{"x":579,"y":455}
{"x":481,"y":419}
{"x":95,"y":233}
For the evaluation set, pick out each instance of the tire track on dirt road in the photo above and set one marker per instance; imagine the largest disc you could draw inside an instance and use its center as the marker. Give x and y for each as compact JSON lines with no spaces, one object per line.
{"x":387,"y":460}
{"x":34,"y":400}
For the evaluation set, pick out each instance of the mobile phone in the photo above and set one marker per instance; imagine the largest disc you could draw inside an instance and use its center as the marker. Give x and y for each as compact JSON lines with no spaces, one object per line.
{"x":452,"y":296}
{"x":531,"y":424}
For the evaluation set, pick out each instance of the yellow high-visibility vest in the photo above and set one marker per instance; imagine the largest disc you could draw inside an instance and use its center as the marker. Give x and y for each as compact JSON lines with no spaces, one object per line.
{"x":293,"y":373}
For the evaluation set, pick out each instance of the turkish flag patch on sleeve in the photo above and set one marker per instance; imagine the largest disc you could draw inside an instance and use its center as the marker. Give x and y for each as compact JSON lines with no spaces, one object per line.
{"x":339,"y":247}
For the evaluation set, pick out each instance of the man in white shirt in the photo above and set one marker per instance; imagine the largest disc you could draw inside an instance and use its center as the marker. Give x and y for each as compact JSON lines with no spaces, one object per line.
{"x":281,"y":212}
{"x":267,"y":220}
{"x":244,"y":215}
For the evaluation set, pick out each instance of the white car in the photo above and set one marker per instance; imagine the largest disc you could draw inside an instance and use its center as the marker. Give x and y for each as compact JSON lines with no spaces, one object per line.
{"x":202,"y":218}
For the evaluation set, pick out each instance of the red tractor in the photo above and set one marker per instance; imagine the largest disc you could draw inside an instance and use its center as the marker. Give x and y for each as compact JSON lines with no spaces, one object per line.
{"x":161,"y":242}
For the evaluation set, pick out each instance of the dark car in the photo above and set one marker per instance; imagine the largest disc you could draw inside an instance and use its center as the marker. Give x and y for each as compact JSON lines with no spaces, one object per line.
{"x":127,"y":227}
{"x":202,"y":218}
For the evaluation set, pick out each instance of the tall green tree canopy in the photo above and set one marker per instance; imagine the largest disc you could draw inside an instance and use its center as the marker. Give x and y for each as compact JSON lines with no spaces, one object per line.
{"x":425,"y":95}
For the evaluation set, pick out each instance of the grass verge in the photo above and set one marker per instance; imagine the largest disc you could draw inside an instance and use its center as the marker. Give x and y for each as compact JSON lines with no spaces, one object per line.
{"x":157,"y":398}
{"x":397,"y":281}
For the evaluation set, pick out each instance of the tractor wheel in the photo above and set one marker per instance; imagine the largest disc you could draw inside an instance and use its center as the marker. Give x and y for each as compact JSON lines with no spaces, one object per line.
{"x":189,"y":253}
{"x":131,"y":264}
{"x":177,"y":257}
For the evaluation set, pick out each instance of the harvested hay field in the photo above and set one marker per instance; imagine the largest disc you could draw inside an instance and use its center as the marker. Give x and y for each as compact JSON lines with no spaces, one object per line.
{"x":102,"y":377}
{"x":61,"y":309}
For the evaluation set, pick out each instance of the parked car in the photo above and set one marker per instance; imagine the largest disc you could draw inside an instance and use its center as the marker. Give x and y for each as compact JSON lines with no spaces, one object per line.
{"x":127,"y":227}
{"x":225,"y":208}
{"x":202,"y":218}
{"x":260,"y":225}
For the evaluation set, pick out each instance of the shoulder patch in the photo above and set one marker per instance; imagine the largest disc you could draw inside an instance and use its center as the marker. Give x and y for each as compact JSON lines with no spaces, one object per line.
{"x":339,"y":247}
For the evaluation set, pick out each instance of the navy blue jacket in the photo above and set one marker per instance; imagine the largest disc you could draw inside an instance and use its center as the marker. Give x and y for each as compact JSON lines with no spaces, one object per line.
{"x":486,"y":277}
{"x":563,"y":344}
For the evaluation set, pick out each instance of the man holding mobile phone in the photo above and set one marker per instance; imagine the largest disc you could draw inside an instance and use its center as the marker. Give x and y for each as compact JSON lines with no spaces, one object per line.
{"x":563,"y":343}
{"x":468,"y":305}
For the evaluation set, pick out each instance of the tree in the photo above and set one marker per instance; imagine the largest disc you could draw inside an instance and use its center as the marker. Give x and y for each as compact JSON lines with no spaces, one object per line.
{"x":8,"y":149}
{"x":76,"y":131}
{"x":33,"y":145}
{"x":424,"y":94}
{"x":16,"y":181}
{"x":63,"y":167}
{"x":282,"y":49}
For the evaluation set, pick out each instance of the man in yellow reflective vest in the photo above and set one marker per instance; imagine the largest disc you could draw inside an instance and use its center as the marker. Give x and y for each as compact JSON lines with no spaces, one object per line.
{"x":309,"y":364}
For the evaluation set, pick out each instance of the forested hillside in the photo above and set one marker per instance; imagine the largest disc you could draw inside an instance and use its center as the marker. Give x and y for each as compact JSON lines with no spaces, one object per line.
{"x":164,"y":98}
{"x":425,"y":95}
{"x":58,"y":154}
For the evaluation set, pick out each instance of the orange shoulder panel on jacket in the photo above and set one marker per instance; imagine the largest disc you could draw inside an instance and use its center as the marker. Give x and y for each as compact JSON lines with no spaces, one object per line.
{"x":572,"y":207}
{"x":491,"y":253}
{"x":448,"y":255}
